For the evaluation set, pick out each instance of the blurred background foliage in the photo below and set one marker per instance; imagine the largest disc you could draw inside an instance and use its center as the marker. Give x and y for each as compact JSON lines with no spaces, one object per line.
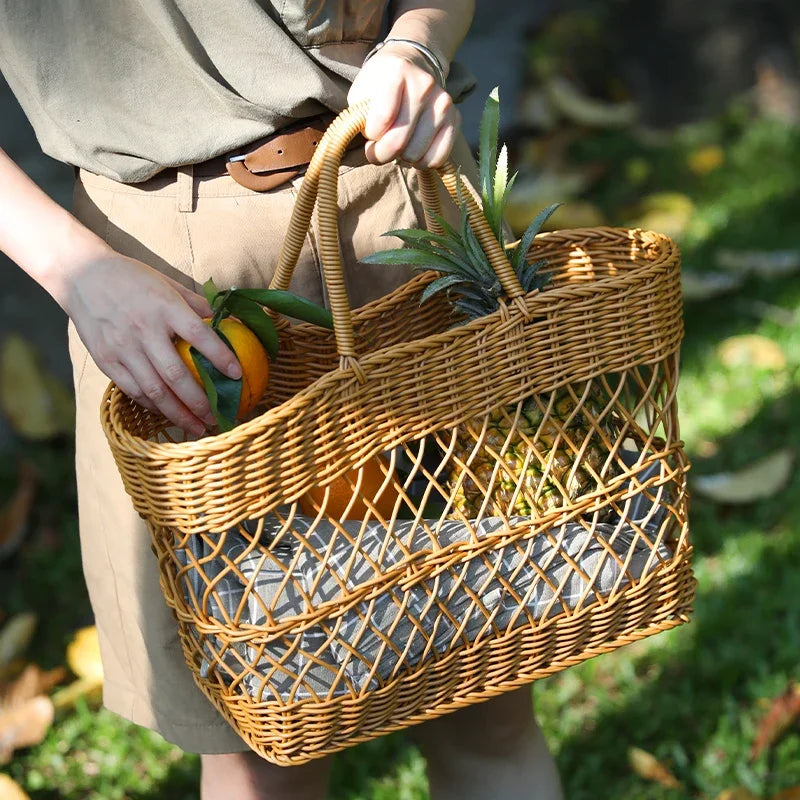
{"x":672,"y":115}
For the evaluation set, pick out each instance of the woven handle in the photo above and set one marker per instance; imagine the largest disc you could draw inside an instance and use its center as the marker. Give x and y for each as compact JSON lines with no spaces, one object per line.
{"x":320,"y":185}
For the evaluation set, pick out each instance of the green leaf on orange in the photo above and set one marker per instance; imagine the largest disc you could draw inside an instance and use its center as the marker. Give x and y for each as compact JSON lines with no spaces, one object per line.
{"x":210,"y":291}
{"x":289,"y":304}
{"x":254,"y":317}
{"x":223,"y":393}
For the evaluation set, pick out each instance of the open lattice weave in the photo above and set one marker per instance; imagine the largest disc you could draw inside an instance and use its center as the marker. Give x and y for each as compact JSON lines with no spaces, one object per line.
{"x":529,"y":510}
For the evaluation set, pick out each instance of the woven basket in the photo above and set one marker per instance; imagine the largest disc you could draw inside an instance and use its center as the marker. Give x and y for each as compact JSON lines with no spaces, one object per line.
{"x":311,"y":633}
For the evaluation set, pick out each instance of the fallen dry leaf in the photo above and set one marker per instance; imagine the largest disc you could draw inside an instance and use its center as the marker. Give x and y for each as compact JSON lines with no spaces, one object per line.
{"x":737,"y":793}
{"x":666,"y":212}
{"x":753,"y":350}
{"x":15,"y":636}
{"x":82,"y":688}
{"x":83,"y":657}
{"x":647,"y":766}
{"x":787,"y":794}
{"x":706,"y":159}
{"x":31,"y":682}
{"x":784,"y":712}
{"x":83,"y":654}
{"x":37,"y":404}
{"x":25,"y":712}
{"x":763,"y":478}
{"x":12,"y":670}
{"x":702,"y":285}
{"x":10,"y":789}
{"x":571,"y":103}
{"x":14,"y":515}
{"x":24,"y":725}
{"x":764,"y":263}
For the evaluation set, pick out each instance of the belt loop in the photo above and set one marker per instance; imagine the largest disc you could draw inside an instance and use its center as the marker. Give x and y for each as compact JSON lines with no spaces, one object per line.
{"x":185,"y":188}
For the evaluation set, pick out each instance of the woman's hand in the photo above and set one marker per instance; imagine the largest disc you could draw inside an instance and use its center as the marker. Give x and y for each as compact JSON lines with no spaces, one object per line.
{"x":410,"y":116}
{"x":127,"y":314}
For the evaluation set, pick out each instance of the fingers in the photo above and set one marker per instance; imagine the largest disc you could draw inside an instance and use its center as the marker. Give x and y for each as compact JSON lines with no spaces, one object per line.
{"x":382,"y":113}
{"x":192,"y":328}
{"x":123,"y":378}
{"x":152,"y":391}
{"x":434,"y":135}
{"x":410,"y":117}
{"x":442,"y":145}
{"x":195,"y":301}
{"x":175,"y":376}
{"x":416,"y":107}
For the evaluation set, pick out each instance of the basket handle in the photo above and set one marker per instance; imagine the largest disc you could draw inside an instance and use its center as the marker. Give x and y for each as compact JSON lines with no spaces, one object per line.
{"x":320,"y":186}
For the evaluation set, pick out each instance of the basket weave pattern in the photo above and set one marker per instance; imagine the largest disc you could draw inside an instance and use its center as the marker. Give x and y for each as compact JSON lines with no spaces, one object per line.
{"x":398,"y":378}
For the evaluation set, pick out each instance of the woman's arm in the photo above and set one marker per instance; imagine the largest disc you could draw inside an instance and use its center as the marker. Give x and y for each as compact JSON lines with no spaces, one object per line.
{"x":125,"y":312}
{"x":410,"y":115}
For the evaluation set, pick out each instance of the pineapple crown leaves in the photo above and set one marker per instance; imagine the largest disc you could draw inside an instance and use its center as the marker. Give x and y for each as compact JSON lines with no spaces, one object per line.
{"x":467,"y":275}
{"x":493,"y":166}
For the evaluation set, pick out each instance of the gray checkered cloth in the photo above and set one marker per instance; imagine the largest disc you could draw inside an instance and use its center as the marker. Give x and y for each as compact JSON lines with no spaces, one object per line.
{"x":367,"y":643}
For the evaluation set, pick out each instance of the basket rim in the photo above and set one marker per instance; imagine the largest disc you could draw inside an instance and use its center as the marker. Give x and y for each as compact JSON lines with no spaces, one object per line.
{"x":238,"y":437}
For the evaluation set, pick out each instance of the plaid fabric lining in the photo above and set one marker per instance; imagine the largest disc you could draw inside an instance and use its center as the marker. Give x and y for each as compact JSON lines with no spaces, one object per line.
{"x":364,"y":646}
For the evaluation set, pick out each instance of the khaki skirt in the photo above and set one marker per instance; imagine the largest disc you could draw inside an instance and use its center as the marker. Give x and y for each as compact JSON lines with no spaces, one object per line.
{"x":192,"y":229}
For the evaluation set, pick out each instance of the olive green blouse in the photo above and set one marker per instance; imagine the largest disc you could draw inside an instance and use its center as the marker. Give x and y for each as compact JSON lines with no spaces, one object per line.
{"x":125,"y":88}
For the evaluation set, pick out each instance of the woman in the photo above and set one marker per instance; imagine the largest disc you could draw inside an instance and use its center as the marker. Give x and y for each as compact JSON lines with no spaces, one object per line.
{"x":189,"y":125}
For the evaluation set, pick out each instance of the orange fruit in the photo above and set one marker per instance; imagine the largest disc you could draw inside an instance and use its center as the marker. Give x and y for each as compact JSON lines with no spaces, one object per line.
{"x":340,"y":492}
{"x":252,"y":357}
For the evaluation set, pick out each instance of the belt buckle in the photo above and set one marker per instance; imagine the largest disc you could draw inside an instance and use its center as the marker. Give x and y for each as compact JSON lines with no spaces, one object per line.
{"x":257,"y":181}
{"x":297,"y":144}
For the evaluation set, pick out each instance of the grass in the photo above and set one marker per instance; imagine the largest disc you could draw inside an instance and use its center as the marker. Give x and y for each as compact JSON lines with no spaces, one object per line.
{"x":693,"y":696}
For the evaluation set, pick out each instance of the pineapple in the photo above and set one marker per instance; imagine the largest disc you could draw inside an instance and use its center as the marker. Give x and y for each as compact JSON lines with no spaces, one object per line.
{"x":533,"y":457}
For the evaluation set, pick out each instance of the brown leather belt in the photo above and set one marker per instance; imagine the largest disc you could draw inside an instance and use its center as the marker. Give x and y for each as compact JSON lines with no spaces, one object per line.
{"x":274,"y":160}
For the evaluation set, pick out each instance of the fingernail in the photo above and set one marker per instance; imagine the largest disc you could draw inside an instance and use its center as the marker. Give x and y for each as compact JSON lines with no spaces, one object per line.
{"x":234,"y":370}
{"x":209,"y":419}
{"x":197,"y":430}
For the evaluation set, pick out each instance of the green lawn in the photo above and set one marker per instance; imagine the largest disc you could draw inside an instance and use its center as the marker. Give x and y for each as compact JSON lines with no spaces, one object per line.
{"x":693,"y":696}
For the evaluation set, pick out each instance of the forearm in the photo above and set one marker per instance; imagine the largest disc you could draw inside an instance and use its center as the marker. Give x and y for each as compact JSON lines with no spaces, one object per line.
{"x":441,"y":25}
{"x":38,"y":234}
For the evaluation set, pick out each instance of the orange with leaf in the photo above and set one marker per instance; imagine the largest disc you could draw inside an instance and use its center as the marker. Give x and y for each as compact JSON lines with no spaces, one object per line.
{"x":241,"y":321}
{"x":251,"y":355}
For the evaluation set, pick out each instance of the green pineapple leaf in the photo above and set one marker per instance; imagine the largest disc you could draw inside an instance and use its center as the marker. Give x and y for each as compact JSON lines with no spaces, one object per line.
{"x":474,"y":309}
{"x":439,"y":284}
{"x":476,"y":258}
{"x":533,"y":276}
{"x":500,"y":194}
{"x":521,"y":250}
{"x":413,"y":257}
{"x":425,"y":240}
{"x":487,"y":156}
{"x":448,"y":229}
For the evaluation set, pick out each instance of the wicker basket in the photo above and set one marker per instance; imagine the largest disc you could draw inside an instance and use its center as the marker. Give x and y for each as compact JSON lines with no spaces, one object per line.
{"x":310,"y":633}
